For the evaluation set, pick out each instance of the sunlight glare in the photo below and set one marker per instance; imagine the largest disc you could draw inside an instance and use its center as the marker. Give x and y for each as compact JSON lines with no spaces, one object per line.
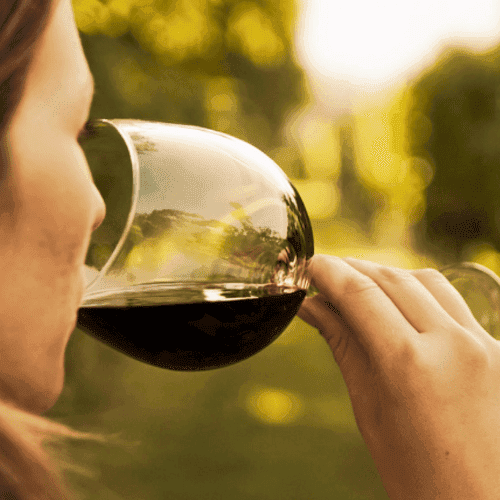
{"x":366,"y":42}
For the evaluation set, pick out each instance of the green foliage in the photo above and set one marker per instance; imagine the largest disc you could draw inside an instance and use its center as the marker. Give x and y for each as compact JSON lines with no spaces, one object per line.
{"x":455,"y":124}
{"x":221,"y":64}
{"x":359,"y":202}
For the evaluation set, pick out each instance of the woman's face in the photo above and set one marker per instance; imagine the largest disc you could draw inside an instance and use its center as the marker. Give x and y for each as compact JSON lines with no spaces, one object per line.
{"x":48,"y":208}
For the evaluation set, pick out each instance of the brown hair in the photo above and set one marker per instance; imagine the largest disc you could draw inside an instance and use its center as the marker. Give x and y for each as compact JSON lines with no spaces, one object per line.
{"x":29,"y":469}
{"x":28,"y":443}
{"x":21,"y":23}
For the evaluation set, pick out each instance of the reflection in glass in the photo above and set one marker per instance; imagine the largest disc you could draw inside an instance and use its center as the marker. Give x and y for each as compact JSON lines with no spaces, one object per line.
{"x":204,"y":237}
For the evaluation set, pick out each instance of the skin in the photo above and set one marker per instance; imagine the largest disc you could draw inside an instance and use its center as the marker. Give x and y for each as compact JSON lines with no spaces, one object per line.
{"x":422,"y":375}
{"x":49,"y":207}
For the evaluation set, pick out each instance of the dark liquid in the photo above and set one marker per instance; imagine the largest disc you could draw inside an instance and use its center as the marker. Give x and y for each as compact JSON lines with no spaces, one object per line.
{"x":195,"y":336}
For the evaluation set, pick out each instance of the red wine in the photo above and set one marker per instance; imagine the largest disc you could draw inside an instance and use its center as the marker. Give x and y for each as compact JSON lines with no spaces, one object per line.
{"x":223,"y":326}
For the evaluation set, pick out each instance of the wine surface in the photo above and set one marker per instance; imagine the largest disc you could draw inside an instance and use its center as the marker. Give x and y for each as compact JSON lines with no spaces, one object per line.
{"x":220,"y":327}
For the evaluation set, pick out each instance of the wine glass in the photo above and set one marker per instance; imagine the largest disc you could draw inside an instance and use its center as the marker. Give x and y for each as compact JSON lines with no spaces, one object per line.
{"x":201,"y":260}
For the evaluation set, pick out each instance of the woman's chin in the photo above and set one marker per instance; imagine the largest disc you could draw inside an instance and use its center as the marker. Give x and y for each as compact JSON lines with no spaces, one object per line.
{"x":31,"y":399}
{"x":40,"y":396}
{"x":49,"y":399}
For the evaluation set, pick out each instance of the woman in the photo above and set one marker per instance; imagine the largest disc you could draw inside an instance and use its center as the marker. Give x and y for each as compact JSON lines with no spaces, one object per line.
{"x":48,"y":209}
{"x":422,"y":374}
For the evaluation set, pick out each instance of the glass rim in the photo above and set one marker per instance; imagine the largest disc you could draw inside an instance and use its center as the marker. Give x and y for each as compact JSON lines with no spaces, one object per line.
{"x":471,"y":265}
{"x":134,"y":161}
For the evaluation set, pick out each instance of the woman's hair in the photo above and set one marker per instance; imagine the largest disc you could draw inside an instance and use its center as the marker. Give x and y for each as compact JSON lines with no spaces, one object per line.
{"x":29,"y":469}
{"x":21,"y":23}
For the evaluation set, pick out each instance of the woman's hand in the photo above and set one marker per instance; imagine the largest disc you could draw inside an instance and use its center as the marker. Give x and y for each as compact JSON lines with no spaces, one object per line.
{"x":422,"y":375}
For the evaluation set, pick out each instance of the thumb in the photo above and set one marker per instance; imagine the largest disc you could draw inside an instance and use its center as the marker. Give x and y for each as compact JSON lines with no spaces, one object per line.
{"x":321,"y":314}
{"x":349,"y":354}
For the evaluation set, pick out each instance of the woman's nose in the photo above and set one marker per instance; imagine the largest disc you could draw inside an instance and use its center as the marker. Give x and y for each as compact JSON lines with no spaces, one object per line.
{"x":100,"y":209}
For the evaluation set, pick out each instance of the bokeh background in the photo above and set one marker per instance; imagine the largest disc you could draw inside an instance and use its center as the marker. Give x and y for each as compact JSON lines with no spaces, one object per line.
{"x":387,"y":120}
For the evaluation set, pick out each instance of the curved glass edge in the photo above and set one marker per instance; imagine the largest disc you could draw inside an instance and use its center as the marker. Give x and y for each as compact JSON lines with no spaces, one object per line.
{"x":300,"y":236}
{"x":134,"y":160}
{"x":480,"y":288}
{"x":471,"y":265}
{"x":235,"y":142}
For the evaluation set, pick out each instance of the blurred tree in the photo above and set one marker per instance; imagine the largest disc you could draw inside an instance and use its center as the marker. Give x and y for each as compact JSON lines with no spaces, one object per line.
{"x":221,"y":64}
{"x":359,"y":202}
{"x":455,"y":124}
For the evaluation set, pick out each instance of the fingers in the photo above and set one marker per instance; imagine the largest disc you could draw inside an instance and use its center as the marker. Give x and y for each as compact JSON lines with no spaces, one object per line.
{"x":372,"y":316}
{"x":322,"y":315}
{"x":410,"y":296}
{"x":449,"y":298}
{"x":425,"y":311}
{"x":383,"y":308}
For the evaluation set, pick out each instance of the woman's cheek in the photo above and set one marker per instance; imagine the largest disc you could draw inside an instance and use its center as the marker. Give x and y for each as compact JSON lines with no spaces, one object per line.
{"x":60,"y":199}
